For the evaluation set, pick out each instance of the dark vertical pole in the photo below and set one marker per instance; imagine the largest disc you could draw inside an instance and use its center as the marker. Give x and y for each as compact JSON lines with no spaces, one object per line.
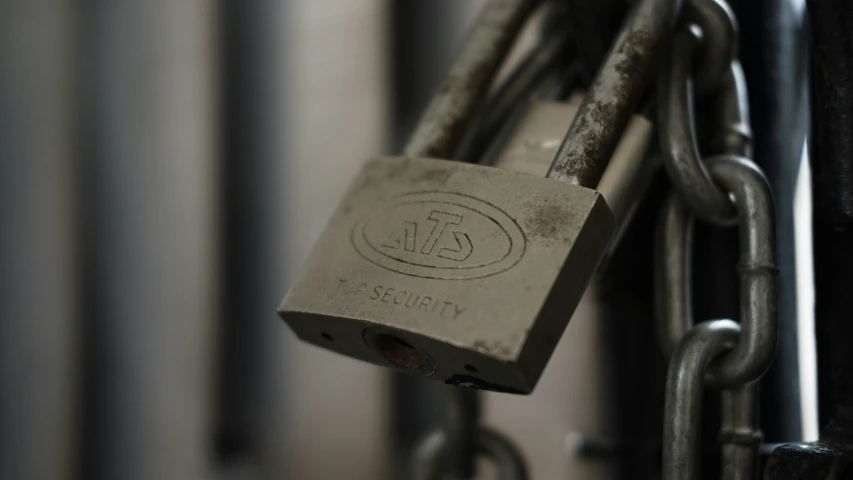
{"x":773,"y":49}
{"x":424,"y":37}
{"x":251,"y":342}
{"x":832,"y":167}
{"x":38,"y":327}
{"x":149,"y":239}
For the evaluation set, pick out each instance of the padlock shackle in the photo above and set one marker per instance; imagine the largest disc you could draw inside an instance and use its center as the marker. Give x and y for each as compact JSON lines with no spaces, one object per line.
{"x":444,"y":123}
{"x":614,"y":94}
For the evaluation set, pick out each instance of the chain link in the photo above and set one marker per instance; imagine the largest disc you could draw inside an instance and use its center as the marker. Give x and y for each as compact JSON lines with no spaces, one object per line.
{"x":728,"y":189}
{"x":679,"y":147}
{"x":450,"y":453}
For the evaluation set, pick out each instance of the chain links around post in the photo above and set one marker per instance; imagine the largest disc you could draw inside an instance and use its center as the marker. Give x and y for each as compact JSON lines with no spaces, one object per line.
{"x":678,"y":144}
{"x":430,"y":459}
{"x":728,"y":189}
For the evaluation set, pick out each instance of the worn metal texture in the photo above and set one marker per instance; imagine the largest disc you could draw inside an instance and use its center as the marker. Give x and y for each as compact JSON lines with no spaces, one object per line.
{"x":449,"y":114}
{"x":685,"y":385}
{"x":614,"y":93}
{"x":807,"y":461}
{"x":537,"y":136}
{"x":466,"y":274}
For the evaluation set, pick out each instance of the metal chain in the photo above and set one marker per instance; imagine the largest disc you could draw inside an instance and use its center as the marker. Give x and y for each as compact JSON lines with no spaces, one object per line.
{"x":727,"y":189}
{"x":450,"y":453}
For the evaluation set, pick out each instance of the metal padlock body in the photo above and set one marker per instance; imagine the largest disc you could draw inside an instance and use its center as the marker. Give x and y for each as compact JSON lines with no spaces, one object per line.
{"x":467,"y":274}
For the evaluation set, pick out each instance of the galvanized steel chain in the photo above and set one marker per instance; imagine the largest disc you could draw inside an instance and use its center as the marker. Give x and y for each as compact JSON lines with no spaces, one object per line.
{"x":724,"y":189}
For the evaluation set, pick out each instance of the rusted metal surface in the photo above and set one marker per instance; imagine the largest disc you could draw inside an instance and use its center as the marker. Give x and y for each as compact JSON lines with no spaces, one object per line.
{"x":615,"y":92}
{"x":445,"y":121}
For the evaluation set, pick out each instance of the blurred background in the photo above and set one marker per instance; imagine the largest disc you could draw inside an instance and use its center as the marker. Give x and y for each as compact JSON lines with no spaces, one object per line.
{"x":165,"y":167}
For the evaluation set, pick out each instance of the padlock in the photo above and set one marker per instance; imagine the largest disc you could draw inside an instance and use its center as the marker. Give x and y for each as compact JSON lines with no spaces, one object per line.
{"x":467,"y":274}
{"x":464,"y":273}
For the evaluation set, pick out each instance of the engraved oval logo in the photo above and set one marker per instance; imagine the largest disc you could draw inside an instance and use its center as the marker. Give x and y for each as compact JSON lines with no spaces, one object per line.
{"x":440,"y":235}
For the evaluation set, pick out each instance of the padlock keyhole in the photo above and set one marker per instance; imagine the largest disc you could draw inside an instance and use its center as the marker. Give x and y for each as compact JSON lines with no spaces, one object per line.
{"x":398,"y":351}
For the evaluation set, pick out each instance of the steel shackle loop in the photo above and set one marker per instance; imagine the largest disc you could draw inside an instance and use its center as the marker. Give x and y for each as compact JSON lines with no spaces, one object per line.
{"x":685,"y":382}
{"x":430,"y":458}
{"x":448,"y":116}
{"x":615,"y":91}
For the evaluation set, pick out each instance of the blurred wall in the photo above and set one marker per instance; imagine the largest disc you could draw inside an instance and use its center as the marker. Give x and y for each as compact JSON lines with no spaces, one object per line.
{"x":149,"y":209}
{"x":37,"y":252}
{"x":165,"y":168}
{"x":336,"y":119}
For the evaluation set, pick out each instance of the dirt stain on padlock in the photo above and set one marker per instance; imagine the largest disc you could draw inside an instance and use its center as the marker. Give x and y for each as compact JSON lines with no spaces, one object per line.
{"x":546,"y":221}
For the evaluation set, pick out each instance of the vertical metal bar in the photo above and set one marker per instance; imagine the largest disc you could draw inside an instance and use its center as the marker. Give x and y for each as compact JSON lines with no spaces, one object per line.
{"x":832,"y":145}
{"x":150,"y":238}
{"x":773,"y":48}
{"x":38,"y":330}
{"x":252,"y":356}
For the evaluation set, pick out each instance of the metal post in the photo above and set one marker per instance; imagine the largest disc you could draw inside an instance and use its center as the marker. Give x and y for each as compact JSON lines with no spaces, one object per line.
{"x":38,"y":330}
{"x":150,"y":237}
{"x":252,"y":363}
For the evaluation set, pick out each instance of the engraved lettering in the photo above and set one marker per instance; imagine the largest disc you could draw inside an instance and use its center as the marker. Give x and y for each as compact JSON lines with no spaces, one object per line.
{"x":434,"y":304}
{"x":405,"y":235}
{"x":412,"y":298}
{"x":376,"y":292}
{"x":464,"y":250}
{"x":441,"y":220}
{"x":439,"y":235}
{"x":403,"y":298}
{"x":401,"y":292}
